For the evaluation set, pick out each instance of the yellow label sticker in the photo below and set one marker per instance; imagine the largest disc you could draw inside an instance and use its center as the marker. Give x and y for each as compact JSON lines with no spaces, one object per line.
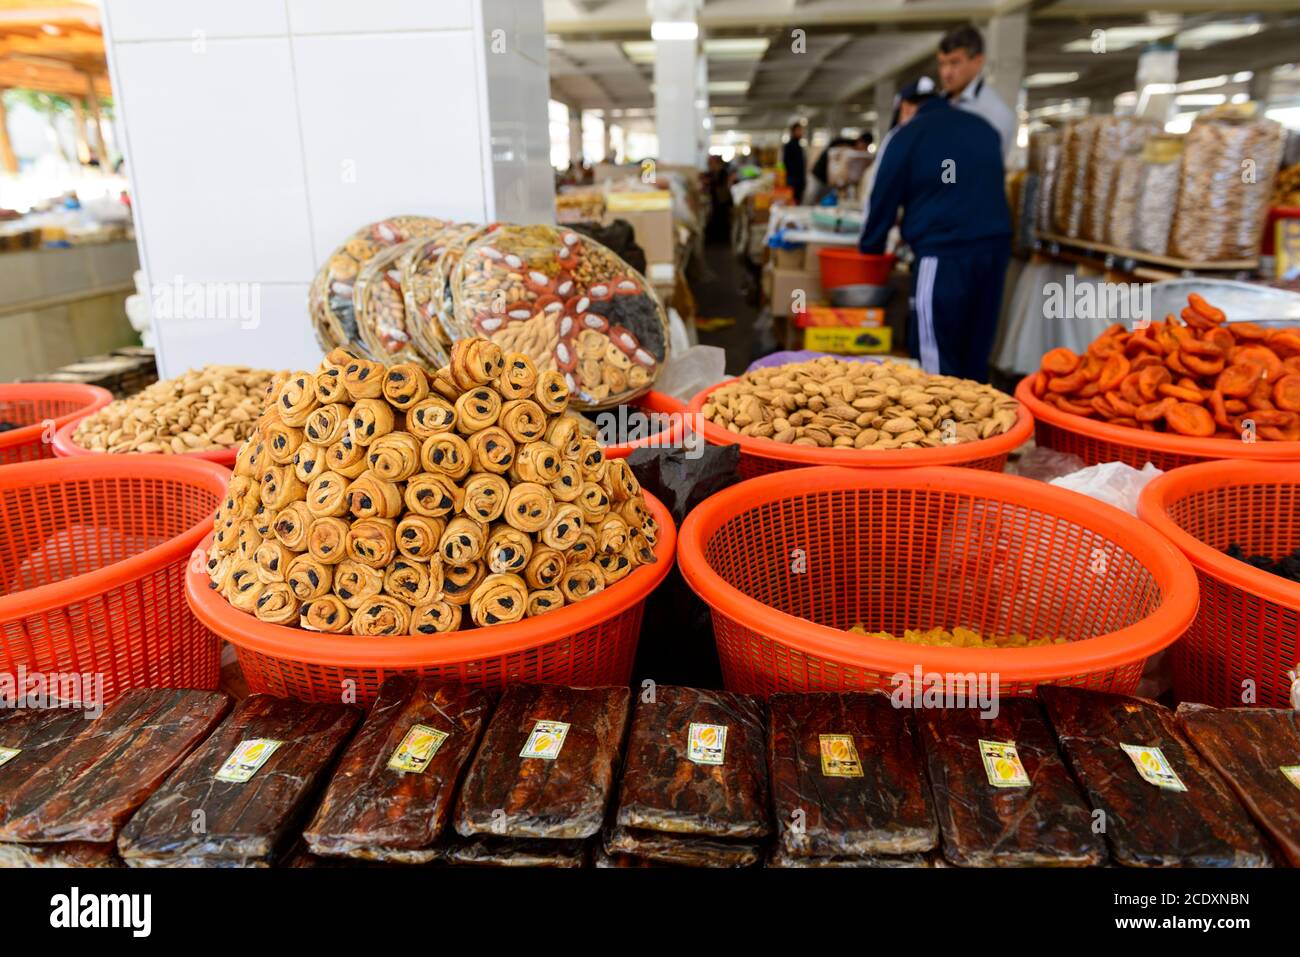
{"x":545,"y":741}
{"x":839,"y":756}
{"x":247,"y":758}
{"x":1292,"y":772}
{"x":706,"y":743}
{"x":417,"y":749}
{"x":8,"y":754}
{"x":1154,"y":767}
{"x":1002,"y":764}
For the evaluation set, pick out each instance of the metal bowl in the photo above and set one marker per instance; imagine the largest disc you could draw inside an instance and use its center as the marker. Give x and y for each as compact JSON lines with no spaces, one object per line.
{"x":859,"y":296}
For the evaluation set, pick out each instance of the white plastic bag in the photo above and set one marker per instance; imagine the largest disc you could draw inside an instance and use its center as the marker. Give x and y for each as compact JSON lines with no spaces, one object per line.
{"x":1114,"y":483}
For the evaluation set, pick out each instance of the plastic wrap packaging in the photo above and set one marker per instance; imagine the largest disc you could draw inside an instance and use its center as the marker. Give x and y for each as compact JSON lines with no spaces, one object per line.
{"x":1047,"y":163}
{"x":778,"y":857}
{"x":249,"y":784}
{"x":76,"y":854}
{"x":1122,"y":217}
{"x":1071,"y":193}
{"x":1257,"y":751}
{"x":846,"y":768}
{"x":379,"y":305}
{"x":1043,"y":464}
{"x":1116,"y":138}
{"x":601,"y":859}
{"x":568,"y":303}
{"x":423,"y":297}
{"x":29,"y":738}
{"x":547,"y":763}
{"x":88,"y":790}
{"x":1162,"y":170}
{"x":1024,"y":209}
{"x":662,"y":848}
{"x":1229,"y":166}
{"x":510,"y":852}
{"x":391,"y":796}
{"x":696,"y":764}
{"x":1175,"y":812}
{"x":1035,"y":816}
{"x":1115,"y":483}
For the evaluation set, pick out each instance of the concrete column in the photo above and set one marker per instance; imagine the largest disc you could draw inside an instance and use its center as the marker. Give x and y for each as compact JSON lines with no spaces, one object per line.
{"x":1004,"y":55}
{"x":609,"y":143}
{"x":1157,"y":73}
{"x":703,"y":121}
{"x":575,"y":136}
{"x":675,"y":29}
{"x":1261,"y":85}
{"x":884,"y":104}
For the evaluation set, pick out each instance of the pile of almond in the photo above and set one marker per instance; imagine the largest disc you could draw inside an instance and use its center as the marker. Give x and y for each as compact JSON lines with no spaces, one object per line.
{"x":832,"y":403}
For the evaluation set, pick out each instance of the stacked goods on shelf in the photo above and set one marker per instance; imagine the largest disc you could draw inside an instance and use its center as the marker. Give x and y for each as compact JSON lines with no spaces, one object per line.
{"x":694,"y":788}
{"x":848,"y":788}
{"x":1228,"y":171}
{"x":1164,"y":806}
{"x":253,"y":779}
{"x":1117,"y":137}
{"x":1045,"y":149}
{"x":388,"y":501}
{"x":1158,"y":192}
{"x":1071,"y":194}
{"x":1122,"y":218}
{"x":1286,"y":189}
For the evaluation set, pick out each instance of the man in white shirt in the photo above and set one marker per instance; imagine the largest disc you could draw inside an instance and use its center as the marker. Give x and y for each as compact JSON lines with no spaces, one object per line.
{"x":961,"y":65}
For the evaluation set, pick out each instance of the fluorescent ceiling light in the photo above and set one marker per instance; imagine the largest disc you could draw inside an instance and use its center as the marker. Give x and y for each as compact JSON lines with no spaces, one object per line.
{"x":728,"y":86}
{"x":674,"y":30}
{"x":1198,"y":38}
{"x":554,"y":41}
{"x":736,"y":48}
{"x":1049,"y":79}
{"x":1122,"y":38}
{"x":1208,"y":83}
{"x":1200,"y":99}
{"x":639,"y":51}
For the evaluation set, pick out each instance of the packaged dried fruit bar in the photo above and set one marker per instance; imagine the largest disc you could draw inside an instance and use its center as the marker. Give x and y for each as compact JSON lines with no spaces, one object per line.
{"x":680,"y":849}
{"x":1257,"y":751}
{"x":67,"y":854}
{"x":778,"y":857}
{"x":88,"y":790}
{"x":546,"y":766}
{"x":513,"y":852}
{"x":30,"y":737}
{"x":846,"y":777}
{"x":249,"y":784}
{"x":391,"y":796}
{"x":1163,"y":806}
{"x":696,"y":764}
{"x":1002,"y":793}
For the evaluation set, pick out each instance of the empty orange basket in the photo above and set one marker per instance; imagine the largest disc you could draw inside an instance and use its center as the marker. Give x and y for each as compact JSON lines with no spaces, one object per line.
{"x":39,"y":409}
{"x":788,"y":562}
{"x":93,"y":554}
{"x":1246,"y":635}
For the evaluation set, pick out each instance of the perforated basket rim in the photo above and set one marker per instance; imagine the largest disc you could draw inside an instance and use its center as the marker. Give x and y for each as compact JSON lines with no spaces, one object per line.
{"x":1173,"y":573}
{"x":94,"y":396}
{"x":1165,"y":490}
{"x":1002,"y":444}
{"x":206,"y":475}
{"x":66,"y":448}
{"x":247,"y":632}
{"x":1144,"y":441}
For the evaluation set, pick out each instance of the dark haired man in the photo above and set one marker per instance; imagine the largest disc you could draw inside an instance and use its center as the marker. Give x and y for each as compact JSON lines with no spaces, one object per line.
{"x":961,"y":67}
{"x":796,"y":165}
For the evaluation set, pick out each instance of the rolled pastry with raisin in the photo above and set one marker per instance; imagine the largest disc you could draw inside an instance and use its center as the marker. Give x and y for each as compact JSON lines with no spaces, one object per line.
{"x":416,"y":583}
{"x":262,"y":521}
{"x":584,"y":549}
{"x":328,"y":495}
{"x":280,"y":486}
{"x":277,"y":605}
{"x":309,"y":461}
{"x":459,"y":581}
{"x":405,"y":385}
{"x":395,"y":457}
{"x":363,"y":379}
{"x":529,"y":507}
{"x":282,"y":441}
{"x":326,"y":613}
{"x":594,"y":502}
{"x":297,"y":399}
{"x":475,"y":362}
{"x":552,"y":392}
{"x":544,"y":567}
{"x":371,"y":419}
{"x":622,"y":483}
{"x":328,"y":423}
{"x":581,"y":581}
{"x":219,"y":568}
{"x":327,"y":540}
{"x":381,"y":615}
{"x":369,"y":496}
{"x":591,"y":459}
{"x":247,"y":538}
{"x":244,"y":464}
{"x":565,"y":528}
{"x":435,"y":618}
{"x":309,"y":577}
{"x":443,"y":384}
{"x":432,"y":495}
{"x":614,"y":566}
{"x":446,"y":453}
{"x":244,"y":585}
{"x":430,"y":416}
{"x":485,"y":497}
{"x":518,"y":376}
{"x":346,"y":458}
{"x":565,"y":433}
{"x":523,"y":420}
{"x":536,"y":462}
{"x":272,"y":560}
{"x":611,"y":535}
{"x":225,"y":534}
{"x":568,"y":484}
{"x":639,"y":548}
{"x":463,"y":541}
{"x":418,"y":536}
{"x":543,"y":600}
{"x":492,"y":450}
{"x":355,"y":583}
{"x":636,"y":513}
{"x":477,"y":409}
{"x":291,"y":526}
{"x":508,"y":549}
{"x":499,"y":600}
{"x":373,"y":542}
{"x":329,"y":385}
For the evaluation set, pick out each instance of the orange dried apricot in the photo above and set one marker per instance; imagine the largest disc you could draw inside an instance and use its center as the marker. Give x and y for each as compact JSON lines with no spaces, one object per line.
{"x":1286,"y":393}
{"x":1061,"y":361}
{"x":1238,"y":380}
{"x":1187,"y":418}
{"x":1197,"y":302}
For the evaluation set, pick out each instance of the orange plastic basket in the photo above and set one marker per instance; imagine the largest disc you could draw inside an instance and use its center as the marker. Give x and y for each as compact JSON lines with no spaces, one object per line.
{"x":788,"y":562}
{"x":66,"y":448}
{"x":38,"y":406}
{"x":1247,"y":631}
{"x":762,"y":456}
{"x":667,"y":437}
{"x":1095,"y":441}
{"x":92,"y":558}
{"x":590,"y":643}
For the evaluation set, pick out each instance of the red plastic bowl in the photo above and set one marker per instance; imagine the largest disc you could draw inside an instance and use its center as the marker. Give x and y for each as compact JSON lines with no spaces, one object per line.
{"x":31,"y":405}
{"x":848,"y":267}
{"x":66,"y":448}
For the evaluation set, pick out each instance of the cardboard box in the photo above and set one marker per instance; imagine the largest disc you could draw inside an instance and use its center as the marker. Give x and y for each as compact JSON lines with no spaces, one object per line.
{"x":788,"y":258}
{"x":654,"y":233}
{"x":782,"y":285}
{"x":841,"y":331}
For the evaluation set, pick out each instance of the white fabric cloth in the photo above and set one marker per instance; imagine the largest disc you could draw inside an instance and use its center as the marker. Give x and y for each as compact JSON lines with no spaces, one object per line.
{"x":980,"y":98}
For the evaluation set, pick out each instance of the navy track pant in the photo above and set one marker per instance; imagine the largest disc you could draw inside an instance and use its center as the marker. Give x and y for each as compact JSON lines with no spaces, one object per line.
{"x":956,"y":299}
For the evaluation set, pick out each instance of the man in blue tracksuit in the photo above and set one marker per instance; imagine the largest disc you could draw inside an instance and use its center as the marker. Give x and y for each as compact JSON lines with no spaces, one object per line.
{"x":944,"y":169}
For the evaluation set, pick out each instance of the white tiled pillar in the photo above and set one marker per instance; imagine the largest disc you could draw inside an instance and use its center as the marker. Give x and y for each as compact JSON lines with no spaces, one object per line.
{"x":677,"y":51}
{"x":259,"y":133}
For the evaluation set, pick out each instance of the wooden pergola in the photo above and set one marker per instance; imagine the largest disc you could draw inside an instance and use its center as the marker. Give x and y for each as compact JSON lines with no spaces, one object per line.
{"x":55,"y":46}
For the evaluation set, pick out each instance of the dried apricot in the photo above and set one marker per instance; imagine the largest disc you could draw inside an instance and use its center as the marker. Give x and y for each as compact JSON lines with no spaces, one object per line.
{"x":1201,"y":366}
{"x":1121,"y":405}
{"x":1221,"y":338}
{"x":1150,"y":380}
{"x":1154,"y":411}
{"x":1259,"y":355}
{"x":1182,"y":394}
{"x":1285,"y":342}
{"x":1143,"y":361}
{"x":1195,"y":319}
{"x":1238,"y":380}
{"x":1197,"y":302}
{"x":1203,"y":347}
{"x":1218,"y":410}
{"x":1113,"y":372}
{"x":1060,"y":361}
{"x":1067,"y":383}
{"x":1187,"y":418}
{"x":1131,"y":391}
{"x":1039,"y":385}
{"x":1065,"y":405}
{"x":1175,"y":362}
{"x":1286,"y":393}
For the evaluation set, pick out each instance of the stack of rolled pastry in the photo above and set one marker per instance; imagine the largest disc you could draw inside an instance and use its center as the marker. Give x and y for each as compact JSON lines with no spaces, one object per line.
{"x":390,"y":501}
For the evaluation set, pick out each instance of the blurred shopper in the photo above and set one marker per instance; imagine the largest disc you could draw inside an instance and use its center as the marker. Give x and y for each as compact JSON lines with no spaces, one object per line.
{"x":820,"y":184}
{"x":961,"y":73}
{"x":792,"y":158}
{"x":718,"y":228}
{"x":943,"y":167}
